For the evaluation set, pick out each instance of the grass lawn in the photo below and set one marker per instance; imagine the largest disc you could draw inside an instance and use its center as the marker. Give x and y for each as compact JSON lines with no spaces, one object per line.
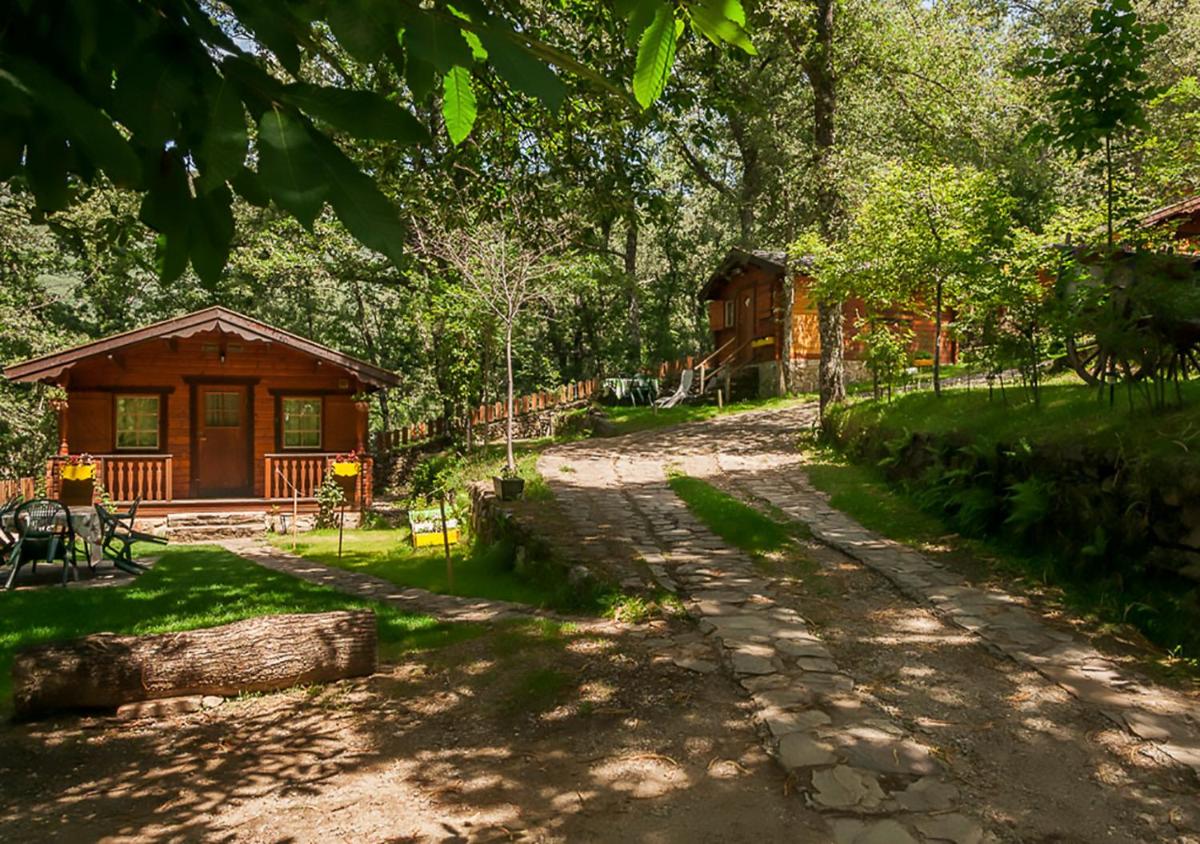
{"x":1069,"y":413}
{"x":626,"y":420}
{"x":478,"y":572}
{"x":770,"y":540}
{"x":189,"y":588}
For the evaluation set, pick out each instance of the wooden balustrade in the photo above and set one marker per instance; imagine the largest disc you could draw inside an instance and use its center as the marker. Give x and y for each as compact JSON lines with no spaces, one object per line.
{"x":301,"y":475}
{"x":124,"y":477}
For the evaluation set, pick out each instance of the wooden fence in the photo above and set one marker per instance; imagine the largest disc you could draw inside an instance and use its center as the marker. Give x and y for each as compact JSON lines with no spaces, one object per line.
{"x":568,"y":394}
{"x":12,"y":487}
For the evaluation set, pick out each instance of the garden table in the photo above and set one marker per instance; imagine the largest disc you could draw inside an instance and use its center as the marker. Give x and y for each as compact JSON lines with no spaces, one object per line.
{"x":85,"y":524}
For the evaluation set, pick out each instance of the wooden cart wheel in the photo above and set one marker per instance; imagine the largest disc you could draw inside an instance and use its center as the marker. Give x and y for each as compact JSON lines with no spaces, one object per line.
{"x":1092,"y":361}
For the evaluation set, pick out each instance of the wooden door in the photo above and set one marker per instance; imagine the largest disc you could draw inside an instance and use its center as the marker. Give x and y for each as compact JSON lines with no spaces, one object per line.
{"x":222,"y":441}
{"x":745,"y":323}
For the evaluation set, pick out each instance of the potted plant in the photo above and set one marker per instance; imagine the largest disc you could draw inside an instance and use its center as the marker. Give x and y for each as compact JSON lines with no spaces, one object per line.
{"x":78,"y":480}
{"x":509,"y":486}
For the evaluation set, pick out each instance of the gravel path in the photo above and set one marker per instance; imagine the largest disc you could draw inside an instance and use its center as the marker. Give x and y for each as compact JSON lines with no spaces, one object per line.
{"x":905,"y":704}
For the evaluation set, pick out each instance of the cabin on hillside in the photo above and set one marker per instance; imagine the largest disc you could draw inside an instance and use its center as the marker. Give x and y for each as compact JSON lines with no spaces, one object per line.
{"x":754,"y":332}
{"x":1183,"y":219}
{"x":212,"y":411}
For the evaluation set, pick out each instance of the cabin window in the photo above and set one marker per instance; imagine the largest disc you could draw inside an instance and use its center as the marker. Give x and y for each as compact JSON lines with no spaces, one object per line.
{"x":730,"y":312}
{"x":222,"y":410}
{"x":302,"y":423}
{"x":137,"y":424}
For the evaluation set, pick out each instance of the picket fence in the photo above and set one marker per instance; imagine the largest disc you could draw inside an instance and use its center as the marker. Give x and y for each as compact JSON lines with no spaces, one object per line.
{"x":484,"y":414}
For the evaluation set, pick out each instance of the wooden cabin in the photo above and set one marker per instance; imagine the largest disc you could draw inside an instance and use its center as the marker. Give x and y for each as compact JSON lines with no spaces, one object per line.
{"x":751,"y":328}
{"x":212,"y":408}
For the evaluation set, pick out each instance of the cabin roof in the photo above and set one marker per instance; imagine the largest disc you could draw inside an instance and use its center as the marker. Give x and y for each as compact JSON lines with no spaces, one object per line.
{"x":215,"y":318}
{"x":739,"y":259}
{"x":772,"y":260}
{"x":1184,"y":207}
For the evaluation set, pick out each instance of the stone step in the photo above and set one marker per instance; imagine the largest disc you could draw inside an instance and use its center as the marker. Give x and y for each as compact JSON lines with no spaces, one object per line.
{"x":213,"y":533}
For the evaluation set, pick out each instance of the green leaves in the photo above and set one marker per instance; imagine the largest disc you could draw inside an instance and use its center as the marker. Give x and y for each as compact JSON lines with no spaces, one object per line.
{"x":655,"y":26}
{"x":289,"y":166}
{"x":458,"y":104}
{"x":360,"y":113}
{"x":722,"y":21}
{"x":223,"y":150}
{"x":656,"y":56}
{"x":81,"y":121}
{"x":523,"y":71}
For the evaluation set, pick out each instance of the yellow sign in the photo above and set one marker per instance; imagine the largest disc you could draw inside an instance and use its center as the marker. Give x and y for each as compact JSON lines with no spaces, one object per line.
{"x":763,"y":341}
{"x":346,"y":469}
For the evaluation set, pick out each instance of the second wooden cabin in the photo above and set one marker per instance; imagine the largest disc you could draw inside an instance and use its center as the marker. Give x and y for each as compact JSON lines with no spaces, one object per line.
{"x":777,"y":345}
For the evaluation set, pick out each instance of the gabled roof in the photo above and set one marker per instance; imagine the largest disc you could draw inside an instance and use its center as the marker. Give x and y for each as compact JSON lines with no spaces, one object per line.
{"x":738,"y":258}
{"x":209,"y":319}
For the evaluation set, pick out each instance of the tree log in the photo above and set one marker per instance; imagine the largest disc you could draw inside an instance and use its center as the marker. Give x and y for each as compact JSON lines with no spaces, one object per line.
{"x":105,"y":670}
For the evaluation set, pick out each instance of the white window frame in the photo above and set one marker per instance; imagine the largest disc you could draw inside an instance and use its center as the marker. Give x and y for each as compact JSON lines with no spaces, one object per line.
{"x":730,"y":313}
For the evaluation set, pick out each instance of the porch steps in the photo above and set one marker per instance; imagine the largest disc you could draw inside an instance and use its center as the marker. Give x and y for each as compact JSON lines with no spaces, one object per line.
{"x":212,"y":527}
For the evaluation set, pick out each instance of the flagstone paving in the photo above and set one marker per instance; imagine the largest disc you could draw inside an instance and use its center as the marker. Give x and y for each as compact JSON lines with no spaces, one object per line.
{"x":916,"y":709}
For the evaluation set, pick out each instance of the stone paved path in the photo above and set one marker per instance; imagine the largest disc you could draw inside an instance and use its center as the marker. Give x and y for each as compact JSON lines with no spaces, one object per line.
{"x":442,"y":607}
{"x":873,"y":762}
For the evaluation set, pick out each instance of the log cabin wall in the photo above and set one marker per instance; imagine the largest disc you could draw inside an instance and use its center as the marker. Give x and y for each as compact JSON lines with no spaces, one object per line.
{"x":752,"y":299}
{"x":175,"y":370}
{"x":806,"y":339}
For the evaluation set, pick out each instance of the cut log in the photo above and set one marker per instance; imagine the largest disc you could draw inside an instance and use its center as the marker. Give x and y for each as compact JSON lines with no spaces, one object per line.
{"x":104,"y":670}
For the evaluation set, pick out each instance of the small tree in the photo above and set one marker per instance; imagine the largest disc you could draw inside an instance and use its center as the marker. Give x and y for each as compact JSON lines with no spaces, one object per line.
{"x":1098,"y":89}
{"x":886,"y":343}
{"x":920,"y":239}
{"x":508,"y":269}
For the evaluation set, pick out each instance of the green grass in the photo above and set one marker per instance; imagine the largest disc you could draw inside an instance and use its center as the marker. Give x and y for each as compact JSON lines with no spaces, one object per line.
{"x":478,"y":572}
{"x":192,"y":587}
{"x":863,"y":493}
{"x":627,"y":420}
{"x":1068,"y":414}
{"x":735,"y":522}
{"x":771,"y":541}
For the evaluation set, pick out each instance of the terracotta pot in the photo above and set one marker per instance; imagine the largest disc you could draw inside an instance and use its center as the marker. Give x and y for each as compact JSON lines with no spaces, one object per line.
{"x":508,"y":489}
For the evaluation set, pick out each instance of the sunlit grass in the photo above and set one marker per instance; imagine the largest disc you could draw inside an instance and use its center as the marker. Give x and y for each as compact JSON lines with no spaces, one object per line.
{"x":189,"y":588}
{"x":479,"y":572}
{"x":768,"y":538}
{"x":1069,"y":412}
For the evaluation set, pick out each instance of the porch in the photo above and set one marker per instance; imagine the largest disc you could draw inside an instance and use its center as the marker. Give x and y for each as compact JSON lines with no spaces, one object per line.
{"x":288,"y":478}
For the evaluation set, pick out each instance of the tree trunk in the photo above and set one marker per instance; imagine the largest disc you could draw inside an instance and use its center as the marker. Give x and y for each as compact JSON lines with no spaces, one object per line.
{"x":937,"y":340}
{"x":260,"y":654}
{"x":818,"y":66}
{"x":508,"y":422}
{"x":635,"y":315}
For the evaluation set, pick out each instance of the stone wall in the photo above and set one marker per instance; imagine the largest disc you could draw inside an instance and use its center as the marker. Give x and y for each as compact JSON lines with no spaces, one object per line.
{"x":493,"y":521}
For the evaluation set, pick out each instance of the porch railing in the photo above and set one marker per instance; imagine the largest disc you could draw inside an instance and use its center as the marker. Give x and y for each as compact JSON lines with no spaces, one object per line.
{"x":305,"y":472}
{"x":124,"y":477}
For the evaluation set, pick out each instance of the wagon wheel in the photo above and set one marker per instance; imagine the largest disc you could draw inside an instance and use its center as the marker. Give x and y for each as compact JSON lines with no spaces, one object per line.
{"x":1091,"y":361}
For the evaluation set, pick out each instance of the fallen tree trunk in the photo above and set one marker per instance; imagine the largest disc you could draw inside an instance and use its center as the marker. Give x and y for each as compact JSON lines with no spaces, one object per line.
{"x":105,"y":670}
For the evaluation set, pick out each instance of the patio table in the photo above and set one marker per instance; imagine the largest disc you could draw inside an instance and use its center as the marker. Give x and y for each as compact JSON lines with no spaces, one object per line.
{"x":86,"y":526}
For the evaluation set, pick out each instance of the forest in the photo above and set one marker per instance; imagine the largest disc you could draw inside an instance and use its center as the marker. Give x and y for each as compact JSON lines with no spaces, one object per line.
{"x":903,"y":145}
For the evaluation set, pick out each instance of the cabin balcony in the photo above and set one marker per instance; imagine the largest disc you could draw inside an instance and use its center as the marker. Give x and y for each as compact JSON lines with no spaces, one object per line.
{"x":287,"y":478}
